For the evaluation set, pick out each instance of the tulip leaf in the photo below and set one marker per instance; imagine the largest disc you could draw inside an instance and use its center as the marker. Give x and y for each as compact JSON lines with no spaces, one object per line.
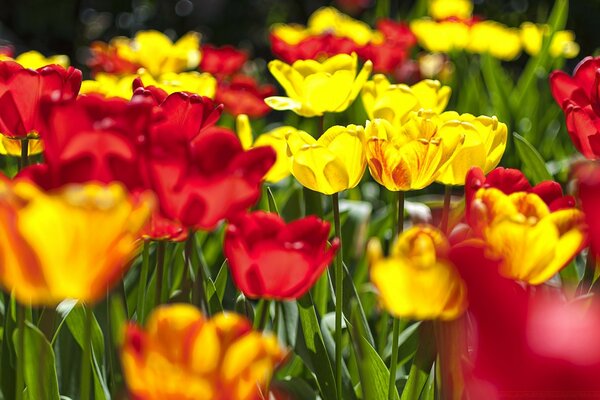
{"x":40,"y":371}
{"x":289,"y":328}
{"x":351,"y":292}
{"x":315,"y":353}
{"x":7,"y":360}
{"x":422,"y":363}
{"x":532,"y":160}
{"x":374,"y":375}
{"x":492,"y":72}
{"x":271,"y":202}
{"x":76,"y":320}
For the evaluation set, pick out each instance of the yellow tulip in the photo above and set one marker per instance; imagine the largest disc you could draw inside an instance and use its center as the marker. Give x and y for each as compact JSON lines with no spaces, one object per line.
{"x":412,"y":156}
{"x":12,"y":147}
{"x":441,"y":37}
{"x":395,"y":102}
{"x":442,"y":9}
{"x":416,"y":281}
{"x":533,"y":243}
{"x":496,"y":39}
{"x":314,"y":88}
{"x":203,"y":84}
{"x":330,"y":20}
{"x":563,"y":43}
{"x":72,"y":243}
{"x":180,"y":355}
{"x":276,"y":138}
{"x":290,"y":33}
{"x":483,"y":146}
{"x":331,"y":164}
{"x":33,"y":59}
{"x":157,"y":54}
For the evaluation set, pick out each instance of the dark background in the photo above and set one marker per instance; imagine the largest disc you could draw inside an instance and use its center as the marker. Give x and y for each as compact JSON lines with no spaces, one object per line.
{"x":68,"y":26}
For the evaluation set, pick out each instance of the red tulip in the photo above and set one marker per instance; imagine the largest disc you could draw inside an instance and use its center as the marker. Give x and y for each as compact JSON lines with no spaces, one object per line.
{"x":222,"y":61}
{"x":398,"y":33}
{"x":525,"y":342}
{"x":104,"y":58}
{"x":243,"y":95}
{"x":578,"y":97}
{"x":22,"y":92}
{"x":589,"y":194}
{"x":312,"y":47}
{"x":271,"y":259}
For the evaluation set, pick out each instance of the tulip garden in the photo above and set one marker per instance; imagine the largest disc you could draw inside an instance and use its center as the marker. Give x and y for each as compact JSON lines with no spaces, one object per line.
{"x":393,"y":206}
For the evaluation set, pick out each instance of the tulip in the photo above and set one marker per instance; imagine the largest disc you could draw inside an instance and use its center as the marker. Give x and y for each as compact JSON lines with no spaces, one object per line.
{"x":71,"y":243}
{"x":314,"y":88}
{"x":496,"y":39}
{"x":243,"y":95}
{"x":275,"y":138}
{"x":290,"y":44}
{"x":533,"y":242}
{"x":331,"y":164}
{"x":578,"y":98}
{"x":589,"y":194}
{"x":394,"y":103}
{"x":563,"y":42}
{"x":441,"y":37}
{"x":483,"y":146}
{"x":417,"y":281}
{"x":181,"y":355}
{"x":443,"y":9}
{"x":105,"y":58}
{"x":257,"y":245}
{"x":22,"y":92}
{"x":226,"y":60}
{"x":157,"y":54}
{"x":328,"y":19}
{"x":413,"y":156}
{"x":33,"y":60}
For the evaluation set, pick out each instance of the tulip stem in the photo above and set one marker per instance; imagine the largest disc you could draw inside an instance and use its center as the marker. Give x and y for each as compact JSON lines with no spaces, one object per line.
{"x":86,"y":358}
{"x":339,"y":293}
{"x":400,"y":205}
{"x":160,"y":265}
{"x":21,"y":351}
{"x":262,"y":314}
{"x":446,"y":209}
{"x":141,"y":303}
{"x":24,"y":160}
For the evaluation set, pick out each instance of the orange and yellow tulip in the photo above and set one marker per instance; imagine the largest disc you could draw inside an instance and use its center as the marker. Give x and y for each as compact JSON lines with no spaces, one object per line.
{"x":180,"y":355}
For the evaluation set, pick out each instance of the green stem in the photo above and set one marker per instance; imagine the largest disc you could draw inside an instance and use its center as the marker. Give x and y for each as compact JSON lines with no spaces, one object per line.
{"x":86,"y":358}
{"x":24,"y":160}
{"x":160,"y":266}
{"x":199,"y":291}
{"x":262,"y":314}
{"x":21,"y":359}
{"x":396,"y":321}
{"x":446,"y":209}
{"x":141,"y":302}
{"x":339,"y":293}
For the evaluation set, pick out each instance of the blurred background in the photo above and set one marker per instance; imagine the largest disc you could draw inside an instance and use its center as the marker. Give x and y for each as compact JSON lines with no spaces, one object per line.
{"x":68,"y":26}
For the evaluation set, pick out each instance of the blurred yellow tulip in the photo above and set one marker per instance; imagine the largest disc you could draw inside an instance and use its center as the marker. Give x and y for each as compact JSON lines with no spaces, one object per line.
{"x":314,"y":88}
{"x":442,"y":9}
{"x":533,"y":243}
{"x":413,"y":156}
{"x":331,"y":164}
{"x":157,"y":54}
{"x":395,"y":102}
{"x":203,"y":84}
{"x":496,"y":39}
{"x":276,"y":138}
{"x":441,"y":37}
{"x":483,"y":147}
{"x":563,"y":43}
{"x":12,"y":147}
{"x":72,"y":243}
{"x":328,"y":19}
{"x":180,"y":355}
{"x":33,"y":59}
{"x":416,"y":281}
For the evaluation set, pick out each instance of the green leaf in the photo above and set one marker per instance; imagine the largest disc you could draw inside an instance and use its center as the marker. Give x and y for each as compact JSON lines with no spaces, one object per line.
{"x":272,"y":203}
{"x":7,"y":361}
{"x":532,"y":160}
{"x":422,"y":363}
{"x":40,"y":371}
{"x":315,"y":355}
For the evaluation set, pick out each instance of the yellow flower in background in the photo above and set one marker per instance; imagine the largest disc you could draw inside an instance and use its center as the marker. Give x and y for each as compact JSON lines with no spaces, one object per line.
{"x":496,"y":39}
{"x":157,"y":54}
{"x":533,"y":243}
{"x":563,"y":43}
{"x":72,"y":243}
{"x":416,"y":281}
{"x":483,"y":146}
{"x":442,"y":37}
{"x":442,"y":9}
{"x":290,"y":33}
{"x":314,"y":88}
{"x":328,"y":19}
{"x":12,"y":147}
{"x":111,"y":85}
{"x":34,"y":59}
{"x":331,"y":164}
{"x":276,"y":138}
{"x":413,"y":156}
{"x":180,"y":355}
{"x":395,"y":102}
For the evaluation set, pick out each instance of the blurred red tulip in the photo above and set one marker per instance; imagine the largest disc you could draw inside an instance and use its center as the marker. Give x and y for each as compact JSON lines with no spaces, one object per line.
{"x":243,"y":95}
{"x":271,"y":259}
{"x":23,"y":90}
{"x":589,"y":194}
{"x":312,"y":47}
{"x":105,"y":58}
{"x":222,"y":61}
{"x":578,"y":97}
